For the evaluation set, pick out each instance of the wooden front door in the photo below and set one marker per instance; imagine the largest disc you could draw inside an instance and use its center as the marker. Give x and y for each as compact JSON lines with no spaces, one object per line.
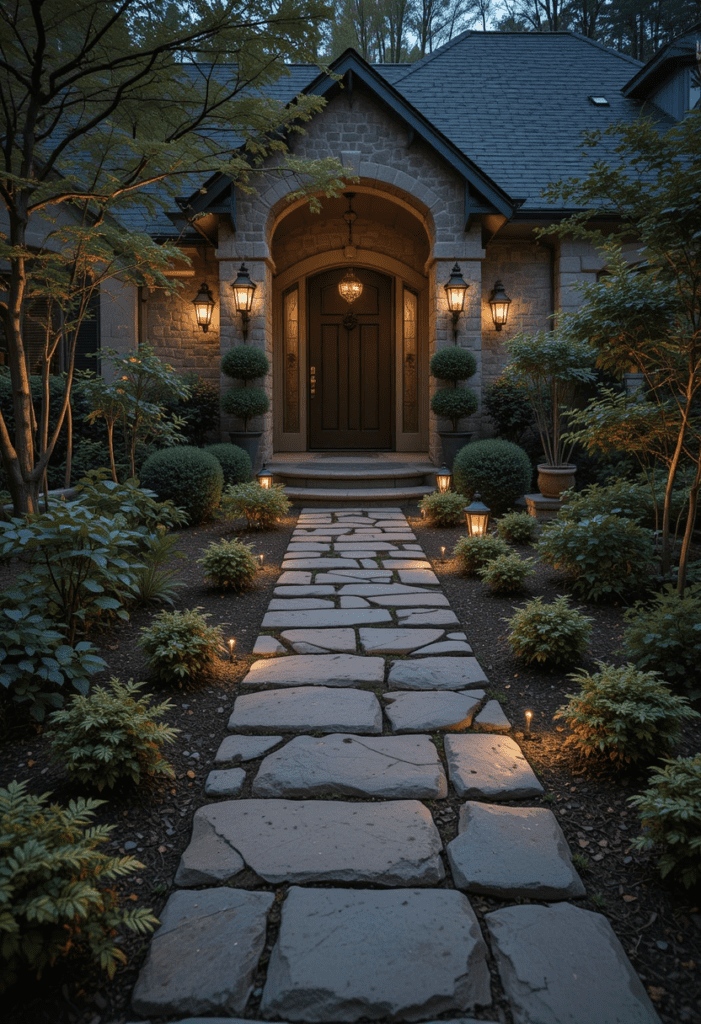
{"x":351,"y":394}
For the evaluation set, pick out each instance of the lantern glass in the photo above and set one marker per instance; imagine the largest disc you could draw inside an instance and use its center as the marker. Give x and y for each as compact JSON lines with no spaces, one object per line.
{"x":350,"y":287}
{"x":265,"y":478}
{"x":243,"y":291}
{"x":500,"y":302}
{"x":477,"y":518}
{"x":204,"y":304}
{"x":443,"y":478}
{"x":455,"y":291}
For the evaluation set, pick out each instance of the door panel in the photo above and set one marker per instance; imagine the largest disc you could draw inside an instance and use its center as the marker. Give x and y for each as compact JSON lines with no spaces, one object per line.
{"x":351,"y":401}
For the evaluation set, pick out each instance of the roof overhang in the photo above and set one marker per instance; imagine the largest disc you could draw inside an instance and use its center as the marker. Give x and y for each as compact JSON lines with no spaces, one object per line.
{"x":678,"y":53}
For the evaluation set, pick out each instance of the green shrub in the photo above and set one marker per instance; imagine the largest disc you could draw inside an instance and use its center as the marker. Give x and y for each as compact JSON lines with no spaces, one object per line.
{"x":57,"y":886}
{"x":229,"y":563}
{"x":499,"y":470}
{"x":506,"y":574}
{"x":665,"y":636}
{"x":507,"y":404}
{"x":446,"y":509}
{"x":621,"y":498}
{"x":605,"y":556}
{"x":453,"y":364}
{"x":234,"y":461}
{"x":245,"y":362}
{"x":474,"y":552}
{"x":624,"y":713}
{"x":548,"y":634}
{"x":670,"y":812}
{"x":180,"y":645}
{"x":245,"y":403}
{"x":156,"y":581}
{"x":110,"y":735}
{"x":135,"y":505}
{"x":189,"y":477}
{"x":454,"y":404}
{"x":198,"y":413}
{"x":518,"y":528}
{"x":261,"y":506}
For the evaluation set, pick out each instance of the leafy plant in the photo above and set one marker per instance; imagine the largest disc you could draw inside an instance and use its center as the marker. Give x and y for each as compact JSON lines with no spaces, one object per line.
{"x":548,"y":634}
{"x":507,"y":405}
{"x":499,"y":470}
{"x":234,"y":461}
{"x":156,"y":581}
{"x":670,"y":812}
{"x":518,"y":528}
{"x":624,"y":713}
{"x":443,"y":509}
{"x":620,"y":498}
{"x":190,"y":477}
{"x":180,"y":645}
{"x":135,"y":505}
{"x":665,"y":636}
{"x":261,"y":506}
{"x":198,"y":413}
{"x":606,"y":556}
{"x":506,"y":574}
{"x":56,"y":885}
{"x":475,"y":552}
{"x":229,"y":563}
{"x":110,"y":735}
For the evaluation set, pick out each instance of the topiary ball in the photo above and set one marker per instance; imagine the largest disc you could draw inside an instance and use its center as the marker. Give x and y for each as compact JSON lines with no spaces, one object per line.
{"x":189,"y":477}
{"x":245,"y":403}
{"x":243,"y":362}
{"x":234,"y":461}
{"x":454,"y":404}
{"x":453,"y":364}
{"x":499,"y":470}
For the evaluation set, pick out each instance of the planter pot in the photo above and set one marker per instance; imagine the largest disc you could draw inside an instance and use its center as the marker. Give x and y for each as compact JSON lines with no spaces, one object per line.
{"x":452,"y":441}
{"x":249,"y":441}
{"x":553,"y":480}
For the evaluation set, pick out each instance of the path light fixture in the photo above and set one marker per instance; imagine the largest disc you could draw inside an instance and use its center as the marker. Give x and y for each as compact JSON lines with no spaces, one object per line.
{"x":500,"y":302}
{"x":443,"y":478}
{"x":529,"y":716}
{"x":477,"y":518}
{"x":443,"y":553}
{"x":455,"y":291}
{"x":232,"y":644}
{"x":243,"y":297}
{"x":204,"y":304}
{"x":265,"y":479}
{"x":261,"y":559}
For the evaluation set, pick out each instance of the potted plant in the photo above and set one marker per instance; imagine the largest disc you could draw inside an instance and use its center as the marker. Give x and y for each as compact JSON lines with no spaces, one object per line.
{"x":245,"y":363}
{"x":453,"y":403}
{"x":550,"y":365}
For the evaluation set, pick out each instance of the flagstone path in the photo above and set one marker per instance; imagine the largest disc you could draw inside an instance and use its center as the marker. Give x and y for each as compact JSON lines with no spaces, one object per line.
{"x":367,"y":701}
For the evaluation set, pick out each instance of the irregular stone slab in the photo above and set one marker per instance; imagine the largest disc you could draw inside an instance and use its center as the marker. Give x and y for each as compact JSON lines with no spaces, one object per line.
{"x":308,"y":649}
{"x":512,"y":851}
{"x":457,"y":636}
{"x":427,"y":618}
{"x":564,"y":965}
{"x":244,"y":748}
{"x":484,"y":767}
{"x":343,"y":955}
{"x":330,"y":639}
{"x":267,"y":647}
{"x":396,"y":641}
{"x":291,"y":604}
{"x":436,"y":674}
{"x":225,"y":782}
{"x":308,"y":545}
{"x":308,"y":591}
{"x":370,"y":546}
{"x":492,"y":718}
{"x":391,"y":843}
{"x":422,"y":600}
{"x":308,"y":708}
{"x":295,"y":578}
{"x":446,"y":647}
{"x":320,"y":564}
{"x":203,"y":957}
{"x":353,"y":602}
{"x":380,"y":590}
{"x":316,"y":670}
{"x":346,"y":575}
{"x":208,"y":859}
{"x":421,"y":577}
{"x":396,"y":767}
{"x":319,"y":619}
{"x":363,"y":554}
{"x":429,"y":710}
{"x":410,"y":563}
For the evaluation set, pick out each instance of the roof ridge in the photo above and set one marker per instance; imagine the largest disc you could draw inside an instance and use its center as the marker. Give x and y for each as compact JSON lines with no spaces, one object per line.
{"x":601,"y":46}
{"x":441,"y":49}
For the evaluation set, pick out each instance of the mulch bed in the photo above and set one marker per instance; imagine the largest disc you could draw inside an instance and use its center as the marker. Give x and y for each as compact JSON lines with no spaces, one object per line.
{"x":658,"y":924}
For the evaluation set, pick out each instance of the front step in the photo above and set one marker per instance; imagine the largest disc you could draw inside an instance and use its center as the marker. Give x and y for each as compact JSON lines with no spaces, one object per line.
{"x":332,"y":481}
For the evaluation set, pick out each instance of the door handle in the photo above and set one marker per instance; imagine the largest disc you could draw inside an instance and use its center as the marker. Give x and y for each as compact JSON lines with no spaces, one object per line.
{"x":312,"y":380}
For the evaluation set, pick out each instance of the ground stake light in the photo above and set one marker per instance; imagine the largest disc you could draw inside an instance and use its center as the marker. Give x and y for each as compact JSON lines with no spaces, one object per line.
{"x":443,"y":478}
{"x":232,"y":644}
{"x":477,"y":518}
{"x":529,"y":716}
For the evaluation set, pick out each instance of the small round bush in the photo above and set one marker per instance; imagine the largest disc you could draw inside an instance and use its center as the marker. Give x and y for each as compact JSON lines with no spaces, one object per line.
{"x":189,"y":477}
{"x":499,"y":470}
{"x":447,"y":509}
{"x":474,"y":552}
{"x":261,"y":506}
{"x":670,"y":812}
{"x":454,"y":404}
{"x":665,"y":636}
{"x":625,"y":714}
{"x":506,"y":574}
{"x":245,"y":403}
{"x":229,"y":563}
{"x":111,"y":734}
{"x":548,"y":634}
{"x":234,"y":461}
{"x":180,"y":645}
{"x":244,"y":362}
{"x":518,"y":528}
{"x":453,"y":364}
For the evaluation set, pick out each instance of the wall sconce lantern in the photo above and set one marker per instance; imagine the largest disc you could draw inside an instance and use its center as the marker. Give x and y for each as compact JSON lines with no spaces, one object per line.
{"x":204,"y":304}
{"x":265,"y":478}
{"x":243,"y":297}
{"x":500,"y":302}
{"x":443,"y":478}
{"x":455,"y":291}
{"x":477,"y":518}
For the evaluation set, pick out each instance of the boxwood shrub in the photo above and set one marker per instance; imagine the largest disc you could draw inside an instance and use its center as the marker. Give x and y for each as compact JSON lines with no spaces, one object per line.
{"x":234,"y":461}
{"x":498,"y":469}
{"x":189,"y":477}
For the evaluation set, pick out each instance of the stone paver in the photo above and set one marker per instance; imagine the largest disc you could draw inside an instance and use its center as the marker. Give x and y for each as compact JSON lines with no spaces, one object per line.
{"x":225,"y":782}
{"x":513,"y":851}
{"x":344,"y":955}
{"x":267,"y":647}
{"x":203,"y":957}
{"x":445,"y":647}
{"x":564,"y":965}
{"x":427,"y":711}
{"x":492,"y":718}
{"x":396,"y":641}
{"x":320,"y":619}
{"x":316,"y":670}
{"x":244,"y":748}
{"x":436,"y":674}
{"x":389,"y":844}
{"x":427,"y":618}
{"x":395,"y":767}
{"x":326,"y":639}
{"x":307,"y":708}
{"x":484,"y":767}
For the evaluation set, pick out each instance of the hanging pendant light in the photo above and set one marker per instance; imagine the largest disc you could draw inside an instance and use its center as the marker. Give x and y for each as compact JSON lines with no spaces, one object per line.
{"x":350,"y":286}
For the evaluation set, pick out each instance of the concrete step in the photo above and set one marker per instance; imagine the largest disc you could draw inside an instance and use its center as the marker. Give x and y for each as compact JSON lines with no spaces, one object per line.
{"x":353,"y":496}
{"x":338,"y":481}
